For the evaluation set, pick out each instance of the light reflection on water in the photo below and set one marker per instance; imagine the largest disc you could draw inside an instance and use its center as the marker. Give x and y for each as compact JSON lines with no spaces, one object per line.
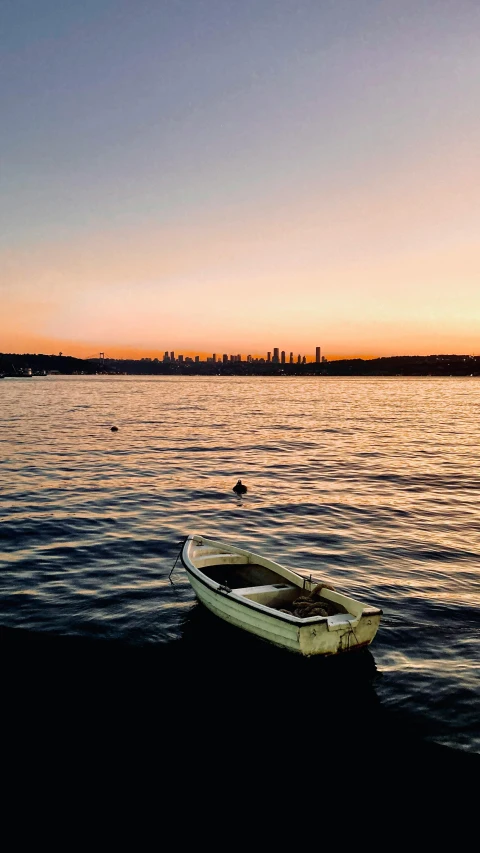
{"x":374,"y":483}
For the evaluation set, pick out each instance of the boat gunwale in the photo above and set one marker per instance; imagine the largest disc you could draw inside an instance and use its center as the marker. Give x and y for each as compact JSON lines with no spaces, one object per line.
{"x":254,"y":605}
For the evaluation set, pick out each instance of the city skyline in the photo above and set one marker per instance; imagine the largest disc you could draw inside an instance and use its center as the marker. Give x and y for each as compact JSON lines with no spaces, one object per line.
{"x":171,"y":357}
{"x":236,"y":173}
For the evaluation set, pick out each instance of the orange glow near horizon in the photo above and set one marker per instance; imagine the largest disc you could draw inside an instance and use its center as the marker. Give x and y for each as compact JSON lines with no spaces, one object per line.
{"x":377,"y":274}
{"x":371,"y":272}
{"x":41,"y":346}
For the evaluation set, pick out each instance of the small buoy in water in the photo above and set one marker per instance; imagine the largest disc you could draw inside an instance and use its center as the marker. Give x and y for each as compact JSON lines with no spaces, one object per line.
{"x":114,"y":429}
{"x":239,"y":488}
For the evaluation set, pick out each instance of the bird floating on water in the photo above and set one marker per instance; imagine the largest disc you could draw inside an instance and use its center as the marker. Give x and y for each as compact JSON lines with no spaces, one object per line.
{"x":114,"y":429}
{"x":239,"y":488}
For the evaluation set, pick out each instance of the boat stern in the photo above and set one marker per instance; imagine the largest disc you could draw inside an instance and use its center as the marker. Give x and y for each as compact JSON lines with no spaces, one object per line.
{"x":343,"y":632}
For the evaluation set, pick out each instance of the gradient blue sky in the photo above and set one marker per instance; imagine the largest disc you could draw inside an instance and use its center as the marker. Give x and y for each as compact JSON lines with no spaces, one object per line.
{"x":240,"y":175}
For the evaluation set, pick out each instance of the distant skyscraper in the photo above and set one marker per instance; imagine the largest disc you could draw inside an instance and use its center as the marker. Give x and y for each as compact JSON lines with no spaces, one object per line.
{"x":269,"y":357}
{"x":214,"y":357}
{"x":299,"y":359}
{"x":180,"y":359}
{"x":304,"y":359}
{"x":317,"y":355}
{"x":197,"y":359}
{"x":172,"y":356}
{"x":291,"y":358}
{"x":275,"y":358}
{"x":225,"y":358}
{"x":165,"y":357}
{"x":283,"y":356}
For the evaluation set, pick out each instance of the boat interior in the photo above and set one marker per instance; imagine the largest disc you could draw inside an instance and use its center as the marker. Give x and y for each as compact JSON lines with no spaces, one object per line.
{"x":260,"y":584}
{"x":253,"y":581}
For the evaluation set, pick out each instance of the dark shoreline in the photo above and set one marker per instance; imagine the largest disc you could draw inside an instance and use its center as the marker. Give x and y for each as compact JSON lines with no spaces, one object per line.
{"x":13,"y":364}
{"x":62,"y":683}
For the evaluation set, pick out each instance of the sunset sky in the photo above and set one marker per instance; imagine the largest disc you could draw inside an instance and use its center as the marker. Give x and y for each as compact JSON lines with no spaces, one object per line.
{"x":234,"y":175}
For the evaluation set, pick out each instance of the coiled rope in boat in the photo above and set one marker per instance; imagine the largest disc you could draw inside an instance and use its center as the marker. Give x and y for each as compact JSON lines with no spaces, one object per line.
{"x":306,"y":606}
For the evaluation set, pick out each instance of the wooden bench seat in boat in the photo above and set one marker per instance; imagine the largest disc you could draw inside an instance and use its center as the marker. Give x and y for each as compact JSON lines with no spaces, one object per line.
{"x":273,"y":595}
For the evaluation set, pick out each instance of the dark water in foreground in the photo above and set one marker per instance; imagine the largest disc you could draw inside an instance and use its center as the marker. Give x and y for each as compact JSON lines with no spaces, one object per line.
{"x":371,"y":483}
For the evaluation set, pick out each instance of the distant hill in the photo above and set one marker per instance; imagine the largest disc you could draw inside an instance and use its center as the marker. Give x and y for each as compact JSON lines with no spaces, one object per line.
{"x":12,"y":363}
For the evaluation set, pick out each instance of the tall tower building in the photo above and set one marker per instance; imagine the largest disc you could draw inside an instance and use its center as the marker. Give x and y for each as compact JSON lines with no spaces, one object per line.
{"x":214,"y":357}
{"x":317,"y":355}
{"x":275,"y":358}
{"x":269,"y":357}
{"x":283,"y":356}
{"x":291,"y":358}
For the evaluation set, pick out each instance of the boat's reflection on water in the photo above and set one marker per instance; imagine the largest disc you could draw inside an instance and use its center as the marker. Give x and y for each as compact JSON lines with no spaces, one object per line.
{"x":256,"y":686}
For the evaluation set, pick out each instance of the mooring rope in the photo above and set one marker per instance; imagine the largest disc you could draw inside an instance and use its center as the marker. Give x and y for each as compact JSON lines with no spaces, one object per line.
{"x":176,"y":560}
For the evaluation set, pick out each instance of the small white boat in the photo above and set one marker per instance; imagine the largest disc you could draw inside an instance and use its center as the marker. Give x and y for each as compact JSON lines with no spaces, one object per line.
{"x":301,"y":614}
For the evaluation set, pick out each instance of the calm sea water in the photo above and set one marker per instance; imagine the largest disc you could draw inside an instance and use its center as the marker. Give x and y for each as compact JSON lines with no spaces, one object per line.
{"x":371,"y":483}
